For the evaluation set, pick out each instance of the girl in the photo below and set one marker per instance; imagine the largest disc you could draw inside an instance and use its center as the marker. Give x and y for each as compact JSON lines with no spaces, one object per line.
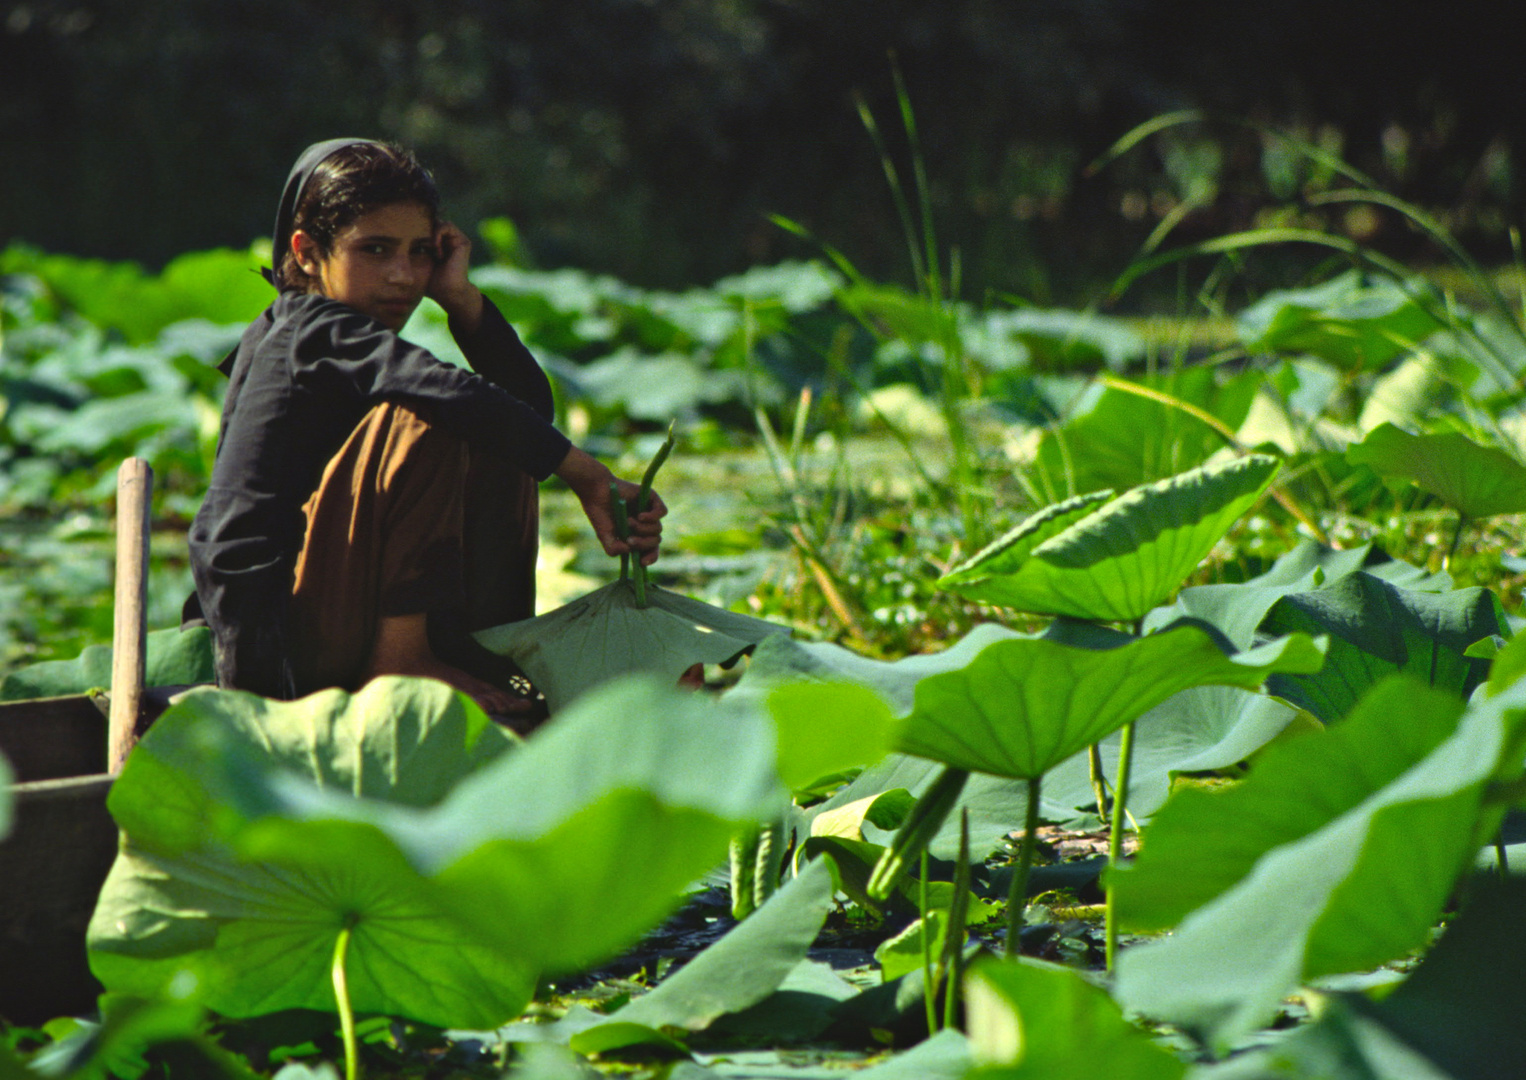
{"x":370,"y":504}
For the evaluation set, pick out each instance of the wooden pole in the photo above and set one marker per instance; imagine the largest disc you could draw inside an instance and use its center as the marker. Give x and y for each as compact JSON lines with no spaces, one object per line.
{"x":135,"y":483}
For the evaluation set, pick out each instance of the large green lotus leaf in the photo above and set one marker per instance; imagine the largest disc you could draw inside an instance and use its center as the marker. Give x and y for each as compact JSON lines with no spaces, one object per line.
{"x":1198,"y":730}
{"x":1476,"y":481}
{"x":993,"y":804}
{"x":1462,"y":1006}
{"x":1335,"y":854}
{"x":1348,"y":321}
{"x":736,"y":972}
{"x":781,"y":659}
{"x":550,"y":858}
{"x":1377,"y":630}
{"x":779,"y":662}
{"x":604,"y":634}
{"x":1021,"y":707}
{"x":1125,"y":558}
{"x":1007,"y":554}
{"x":259,"y":936}
{"x":1237,"y":610}
{"x":1031,"y":1020}
{"x":825,"y":729}
{"x":1125,"y":439}
{"x":569,"y":848}
{"x":174,"y":658}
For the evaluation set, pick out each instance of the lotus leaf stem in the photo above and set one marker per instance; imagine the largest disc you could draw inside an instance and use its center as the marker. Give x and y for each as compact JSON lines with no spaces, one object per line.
{"x":929,"y":991}
{"x":342,"y":998}
{"x":643,"y":497}
{"x":1017,"y":894}
{"x":1099,"y":781}
{"x":1446,"y":563}
{"x":1115,"y":836}
{"x":622,"y":525}
{"x":958,"y":913}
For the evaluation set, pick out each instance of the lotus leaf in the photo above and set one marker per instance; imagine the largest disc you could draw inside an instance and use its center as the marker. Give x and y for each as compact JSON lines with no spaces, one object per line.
{"x":1128,"y":556}
{"x":1125,"y":439}
{"x":1021,"y":707}
{"x":1476,"y":481}
{"x":603,"y":634}
{"x":1348,"y":321}
{"x":1376,"y":630}
{"x":740,"y":970}
{"x":825,"y":729}
{"x":1030,"y":1019}
{"x":1237,"y":610}
{"x":174,"y":658}
{"x":1462,"y":1006}
{"x":1201,"y":729}
{"x":255,"y":830}
{"x":1335,"y":854}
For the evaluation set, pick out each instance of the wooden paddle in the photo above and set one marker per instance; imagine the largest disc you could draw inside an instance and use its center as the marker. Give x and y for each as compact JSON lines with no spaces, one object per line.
{"x":135,"y":485}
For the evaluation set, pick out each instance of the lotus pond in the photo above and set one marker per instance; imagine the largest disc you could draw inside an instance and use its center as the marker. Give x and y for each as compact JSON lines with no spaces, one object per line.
{"x":1132,"y":698}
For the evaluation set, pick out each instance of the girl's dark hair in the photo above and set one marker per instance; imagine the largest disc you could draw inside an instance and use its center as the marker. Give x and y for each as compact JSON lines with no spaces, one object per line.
{"x":349,"y":183}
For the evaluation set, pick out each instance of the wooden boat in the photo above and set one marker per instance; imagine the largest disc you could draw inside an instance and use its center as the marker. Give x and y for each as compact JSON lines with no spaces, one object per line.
{"x":64,"y":752}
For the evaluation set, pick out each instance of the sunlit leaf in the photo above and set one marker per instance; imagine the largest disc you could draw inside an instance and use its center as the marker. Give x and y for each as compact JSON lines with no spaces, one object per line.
{"x":1030,"y":1019}
{"x":1201,"y":729}
{"x":1124,"y":439}
{"x":1336,"y":853}
{"x":828,"y":728}
{"x":1476,"y":481}
{"x":1022,"y":707}
{"x":1130,"y":555}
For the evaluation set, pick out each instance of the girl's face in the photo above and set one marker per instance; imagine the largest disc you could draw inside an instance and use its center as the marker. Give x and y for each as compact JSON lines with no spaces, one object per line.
{"x":379,"y":264}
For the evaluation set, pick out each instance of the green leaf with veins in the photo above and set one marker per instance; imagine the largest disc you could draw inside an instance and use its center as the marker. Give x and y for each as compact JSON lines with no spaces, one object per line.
{"x":256,"y":830}
{"x":1129,"y":555}
{"x":1336,"y":853}
{"x":1021,"y":707}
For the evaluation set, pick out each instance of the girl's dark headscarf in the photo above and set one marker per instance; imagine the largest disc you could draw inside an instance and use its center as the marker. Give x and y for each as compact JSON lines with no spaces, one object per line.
{"x":291,"y":195}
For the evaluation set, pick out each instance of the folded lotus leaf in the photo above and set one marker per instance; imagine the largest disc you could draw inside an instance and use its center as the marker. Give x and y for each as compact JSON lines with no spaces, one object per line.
{"x":604,"y":634}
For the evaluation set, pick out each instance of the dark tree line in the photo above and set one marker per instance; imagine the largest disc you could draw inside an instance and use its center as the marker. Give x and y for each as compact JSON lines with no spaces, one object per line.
{"x":651,"y":138}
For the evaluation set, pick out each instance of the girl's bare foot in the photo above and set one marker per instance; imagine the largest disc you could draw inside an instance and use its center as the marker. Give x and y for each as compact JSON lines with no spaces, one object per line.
{"x":402,"y":648}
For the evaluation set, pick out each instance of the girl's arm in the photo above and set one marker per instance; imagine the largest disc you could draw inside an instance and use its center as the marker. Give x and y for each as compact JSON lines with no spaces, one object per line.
{"x":488,"y":341}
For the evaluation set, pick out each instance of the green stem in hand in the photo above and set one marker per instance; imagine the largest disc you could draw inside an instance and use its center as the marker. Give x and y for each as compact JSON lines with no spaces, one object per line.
{"x":1017,"y":895}
{"x":643,"y":499}
{"x":622,"y":525}
{"x":1115,"y":837}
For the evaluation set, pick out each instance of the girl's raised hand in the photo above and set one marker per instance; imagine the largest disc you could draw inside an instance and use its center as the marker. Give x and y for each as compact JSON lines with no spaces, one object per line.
{"x":448,"y":284}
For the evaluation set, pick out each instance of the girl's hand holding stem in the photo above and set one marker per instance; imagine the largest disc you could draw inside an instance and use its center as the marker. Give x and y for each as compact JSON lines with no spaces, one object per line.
{"x":589,"y":480}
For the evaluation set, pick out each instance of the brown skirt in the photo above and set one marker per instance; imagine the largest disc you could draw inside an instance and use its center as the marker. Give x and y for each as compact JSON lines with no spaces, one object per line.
{"x":406,"y":520}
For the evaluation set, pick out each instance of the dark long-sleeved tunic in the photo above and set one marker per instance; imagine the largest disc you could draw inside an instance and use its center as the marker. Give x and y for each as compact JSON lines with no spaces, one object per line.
{"x":304,"y":374}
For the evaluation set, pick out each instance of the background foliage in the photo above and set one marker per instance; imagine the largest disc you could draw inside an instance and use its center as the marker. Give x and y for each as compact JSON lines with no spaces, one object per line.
{"x":649,"y":139}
